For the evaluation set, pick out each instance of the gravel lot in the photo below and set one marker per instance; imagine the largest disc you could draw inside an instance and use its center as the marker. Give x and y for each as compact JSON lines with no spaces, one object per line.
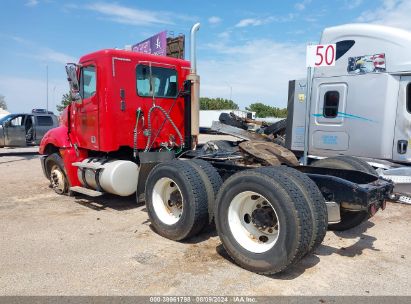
{"x":58,"y":245}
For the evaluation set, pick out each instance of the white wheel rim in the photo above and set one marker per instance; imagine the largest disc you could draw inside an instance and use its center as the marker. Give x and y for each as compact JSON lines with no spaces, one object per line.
{"x":57,"y":179}
{"x":167,"y":201}
{"x":253,"y":222}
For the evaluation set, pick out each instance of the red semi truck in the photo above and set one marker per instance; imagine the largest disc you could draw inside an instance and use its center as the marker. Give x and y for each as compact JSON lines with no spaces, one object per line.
{"x":132,"y":128}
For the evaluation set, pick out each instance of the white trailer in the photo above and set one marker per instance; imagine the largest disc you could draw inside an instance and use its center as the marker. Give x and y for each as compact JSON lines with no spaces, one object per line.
{"x":362,"y":105}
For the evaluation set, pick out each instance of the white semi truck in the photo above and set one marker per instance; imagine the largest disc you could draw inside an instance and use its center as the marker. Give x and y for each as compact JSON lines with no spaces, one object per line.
{"x":361,"y":106}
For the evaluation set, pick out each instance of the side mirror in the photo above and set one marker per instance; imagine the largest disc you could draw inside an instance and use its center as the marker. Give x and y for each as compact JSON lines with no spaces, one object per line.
{"x":72,"y":77}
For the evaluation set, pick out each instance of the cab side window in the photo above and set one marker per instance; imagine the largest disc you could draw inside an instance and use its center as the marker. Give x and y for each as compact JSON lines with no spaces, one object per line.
{"x":331,"y":102}
{"x":44,"y":121}
{"x":157,"y":81}
{"x":88,"y":81}
{"x":409,"y":97}
{"x":17,"y":121}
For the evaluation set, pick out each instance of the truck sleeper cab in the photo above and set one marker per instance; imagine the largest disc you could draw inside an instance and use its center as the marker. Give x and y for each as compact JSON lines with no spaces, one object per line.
{"x":132,"y":128}
{"x":361,"y":106}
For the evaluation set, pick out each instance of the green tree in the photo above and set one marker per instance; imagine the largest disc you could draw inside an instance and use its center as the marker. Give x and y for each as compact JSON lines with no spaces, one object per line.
{"x":261,"y":110}
{"x":217,"y":104}
{"x":65,"y":101}
{"x":3,"y":103}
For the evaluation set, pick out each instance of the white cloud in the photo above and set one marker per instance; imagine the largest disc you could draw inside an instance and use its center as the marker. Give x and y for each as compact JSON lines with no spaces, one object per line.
{"x":214,"y":20}
{"x":250,"y":22}
{"x":43,"y":54}
{"x":261,"y":21}
{"x":224,"y":35}
{"x":23,"y":94}
{"x":352,"y":4}
{"x":127,"y":15}
{"x":255,"y":21}
{"x":32,"y":3}
{"x":300,"y":6}
{"x":392,"y":12}
{"x":50,"y":55}
{"x":257,"y":71}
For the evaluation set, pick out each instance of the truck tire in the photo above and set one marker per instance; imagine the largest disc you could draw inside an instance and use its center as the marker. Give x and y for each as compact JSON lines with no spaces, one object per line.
{"x":263,"y":222}
{"x":176,"y":200}
{"x":211,"y":172}
{"x":277,"y":127}
{"x":230,"y":120}
{"x":57,"y":174}
{"x":314,"y":198}
{"x":349,"y":219}
{"x":212,"y":180}
{"x":346,"y":162}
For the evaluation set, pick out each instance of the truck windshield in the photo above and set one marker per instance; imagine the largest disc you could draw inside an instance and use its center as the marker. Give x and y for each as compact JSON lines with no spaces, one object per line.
{"x":161,"y":81}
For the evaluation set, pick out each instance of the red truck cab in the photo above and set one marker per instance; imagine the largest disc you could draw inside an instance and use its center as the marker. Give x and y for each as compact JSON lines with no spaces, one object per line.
{"x":127,"y":101}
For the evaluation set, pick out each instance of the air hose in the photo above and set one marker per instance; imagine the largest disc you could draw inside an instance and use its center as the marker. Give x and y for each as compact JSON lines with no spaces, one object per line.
{"x":168,"y":118}
{"x":135,"y":135}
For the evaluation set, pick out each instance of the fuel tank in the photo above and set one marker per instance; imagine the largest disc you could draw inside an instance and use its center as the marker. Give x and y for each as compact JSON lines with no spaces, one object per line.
{"x":118,"y":177}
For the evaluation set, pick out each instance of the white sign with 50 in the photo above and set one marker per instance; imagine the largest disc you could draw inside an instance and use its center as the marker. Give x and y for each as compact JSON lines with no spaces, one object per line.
{"x":320,"y":55}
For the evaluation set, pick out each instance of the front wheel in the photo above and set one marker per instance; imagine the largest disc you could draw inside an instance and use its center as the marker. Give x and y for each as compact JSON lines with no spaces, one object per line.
{"x":57,"y":174}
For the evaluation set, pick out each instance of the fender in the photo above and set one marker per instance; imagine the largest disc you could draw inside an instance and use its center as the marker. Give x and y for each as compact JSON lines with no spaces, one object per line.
{"x":57,"y":137}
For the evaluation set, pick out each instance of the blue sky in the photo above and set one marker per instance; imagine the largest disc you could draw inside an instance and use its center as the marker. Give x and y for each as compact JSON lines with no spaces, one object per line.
{"x":249,"y":48}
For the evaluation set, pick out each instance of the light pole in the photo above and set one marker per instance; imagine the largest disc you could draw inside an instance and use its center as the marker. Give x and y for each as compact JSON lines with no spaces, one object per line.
{"x":231,"y":89}
{"x":54,"y":95}
{"x":47,"y":88}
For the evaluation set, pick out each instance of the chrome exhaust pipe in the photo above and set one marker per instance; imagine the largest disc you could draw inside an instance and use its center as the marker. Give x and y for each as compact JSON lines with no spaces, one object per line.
{"x":195,"y":88}
{"x":193,"y":46}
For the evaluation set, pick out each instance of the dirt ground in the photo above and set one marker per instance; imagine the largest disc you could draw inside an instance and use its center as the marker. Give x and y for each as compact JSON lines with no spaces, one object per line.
{"x":59,"y":245}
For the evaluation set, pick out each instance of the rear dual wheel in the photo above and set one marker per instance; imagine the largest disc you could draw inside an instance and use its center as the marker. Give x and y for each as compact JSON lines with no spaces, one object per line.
{"x":264,"y":221}
{"x":178,"y":196}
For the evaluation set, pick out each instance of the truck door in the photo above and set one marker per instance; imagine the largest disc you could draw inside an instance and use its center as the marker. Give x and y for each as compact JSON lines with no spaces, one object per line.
{"x":86,"y":118}
{"x":327,"y":120}
{"x":15,"y":132}
{"x":42,"y":124}
{"x":401,"y":149}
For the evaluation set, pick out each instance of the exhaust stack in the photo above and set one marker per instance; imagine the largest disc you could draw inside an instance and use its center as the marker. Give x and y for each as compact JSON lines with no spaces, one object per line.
{"x":193,"y":44}
{"x":195,"y":88}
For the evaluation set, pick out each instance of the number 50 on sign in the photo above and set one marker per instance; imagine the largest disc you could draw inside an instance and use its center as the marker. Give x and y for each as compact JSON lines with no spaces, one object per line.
{"x":320,"y":55}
